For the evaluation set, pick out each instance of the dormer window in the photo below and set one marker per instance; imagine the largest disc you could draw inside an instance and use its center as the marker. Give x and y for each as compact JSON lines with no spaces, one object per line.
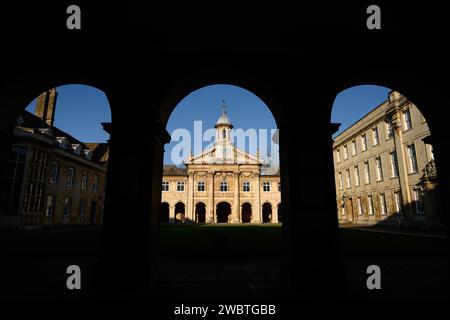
{"x":88,"y":154}
{"x":62,"y":143}
{"x":46,"y":131}
{"x":76,"y":149}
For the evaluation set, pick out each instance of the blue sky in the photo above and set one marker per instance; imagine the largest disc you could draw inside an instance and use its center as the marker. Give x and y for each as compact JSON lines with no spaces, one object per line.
{"x":352,"y":104}
{"x":81,"y":109}
{"x":244,"y":109}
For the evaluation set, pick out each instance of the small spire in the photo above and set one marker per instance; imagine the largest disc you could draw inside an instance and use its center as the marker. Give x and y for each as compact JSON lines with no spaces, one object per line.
{"x":224,"y":107}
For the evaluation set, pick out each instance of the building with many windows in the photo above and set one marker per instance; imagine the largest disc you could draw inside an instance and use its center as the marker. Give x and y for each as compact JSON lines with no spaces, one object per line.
{"x":52,"y":178}
{"x":222,"y":184}
{"x":384,"y":168}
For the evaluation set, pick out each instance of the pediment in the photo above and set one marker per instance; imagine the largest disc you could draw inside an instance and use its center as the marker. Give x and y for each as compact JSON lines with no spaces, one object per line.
{"x":227,"y":154}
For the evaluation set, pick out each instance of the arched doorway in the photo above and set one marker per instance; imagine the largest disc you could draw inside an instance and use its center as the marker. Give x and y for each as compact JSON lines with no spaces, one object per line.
{"x":267,"y":212}
{"x":223,"y":212}
{"x":280,"y":213}
{"x":179,"y":212}
{"x":164,"y":214}
{"x":246,"y":213}
{"x":200,"y":212}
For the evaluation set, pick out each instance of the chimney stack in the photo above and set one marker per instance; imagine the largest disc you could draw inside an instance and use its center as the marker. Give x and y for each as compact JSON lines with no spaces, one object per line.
{"x":46,"y":106}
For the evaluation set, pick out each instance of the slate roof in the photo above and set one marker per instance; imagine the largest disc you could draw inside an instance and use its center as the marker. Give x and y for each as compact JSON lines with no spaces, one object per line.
{"x":172,"y":170}
{"x":31,"y":121}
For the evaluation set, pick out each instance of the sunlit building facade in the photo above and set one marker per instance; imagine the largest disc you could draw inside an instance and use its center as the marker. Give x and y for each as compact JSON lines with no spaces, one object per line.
{"x":384,"y":168}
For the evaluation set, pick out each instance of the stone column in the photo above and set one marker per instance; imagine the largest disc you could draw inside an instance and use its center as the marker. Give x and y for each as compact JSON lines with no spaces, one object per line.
{"x":210,"y":213}
{"x":402,"y":163}
{"x":190,"y":198}
{"x":171,"y":213}
{"x":275,"y":213}
{"x":236,"y":204}
{"x":256,"y":214}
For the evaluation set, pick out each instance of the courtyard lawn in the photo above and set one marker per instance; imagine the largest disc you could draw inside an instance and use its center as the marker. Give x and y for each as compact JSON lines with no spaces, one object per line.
{"x":215,"y":240}
{"x":221,"y":239}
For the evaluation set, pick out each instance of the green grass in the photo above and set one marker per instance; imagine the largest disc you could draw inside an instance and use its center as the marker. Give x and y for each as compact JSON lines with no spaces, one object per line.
{"x":198,"y":240}
{"x":204,"y":240}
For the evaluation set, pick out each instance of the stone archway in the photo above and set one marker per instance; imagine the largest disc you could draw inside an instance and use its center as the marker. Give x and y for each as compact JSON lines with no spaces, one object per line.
{"x":164,"y":214}
{"x":200,"y":212}
{"x":180,"y":212}
{"x":246,"y":213}
{"x":267,"y":212}
{"x":223,"y":212}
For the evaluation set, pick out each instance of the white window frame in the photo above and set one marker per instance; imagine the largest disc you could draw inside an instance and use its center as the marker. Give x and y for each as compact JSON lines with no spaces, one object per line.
{"x":359,"y":206}
{"x":407,"y":120}
{"x":363,"y":142}
{"x":356,"y":173}
{"x":379,"y":168}
{"x":354,"y":151}
{"x":246,"y":186}
{"x":266,"y":186}
{"x":412,"y":158}
{"x":394,"y":165}
{"x":366,"y":172}
{"x":223,"y":186}
{"x":371,"y":212}
{"x":383,"y":205}
{"x":180,"y":186}
{"x":345,"y":152}
{"x":201,"y":186}
{"x":375,"y":136}
{"x":338,"y":156}
{"x":165,"y":183}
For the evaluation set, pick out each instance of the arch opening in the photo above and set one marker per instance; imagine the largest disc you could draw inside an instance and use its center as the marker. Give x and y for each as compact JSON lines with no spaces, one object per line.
{"x":223,"y":212}
{"x":267,"y":212}
{"x":200,"y":212}
{"x":246,"y":212}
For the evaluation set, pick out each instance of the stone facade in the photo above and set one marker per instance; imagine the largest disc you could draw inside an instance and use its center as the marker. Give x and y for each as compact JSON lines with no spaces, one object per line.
{"x":53,"y":178}
{"x":384,"y":167}
{"x":221,"y":185}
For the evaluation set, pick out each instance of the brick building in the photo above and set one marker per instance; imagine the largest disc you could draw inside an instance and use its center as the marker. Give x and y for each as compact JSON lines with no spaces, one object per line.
{"x":53,"y":178}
